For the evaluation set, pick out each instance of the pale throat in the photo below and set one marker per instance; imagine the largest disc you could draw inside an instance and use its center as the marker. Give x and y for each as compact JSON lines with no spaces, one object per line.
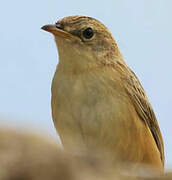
{"x":73,"y":58}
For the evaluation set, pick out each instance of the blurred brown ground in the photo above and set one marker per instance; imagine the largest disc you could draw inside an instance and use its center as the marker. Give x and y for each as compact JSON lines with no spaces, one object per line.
{"x":24,"y":156}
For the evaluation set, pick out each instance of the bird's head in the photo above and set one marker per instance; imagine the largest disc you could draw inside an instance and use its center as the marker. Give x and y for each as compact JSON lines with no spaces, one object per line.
{"x":83,"y":42}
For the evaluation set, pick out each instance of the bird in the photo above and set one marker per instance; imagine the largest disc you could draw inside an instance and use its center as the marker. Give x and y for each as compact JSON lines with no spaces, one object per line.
{"x":98,"y":103}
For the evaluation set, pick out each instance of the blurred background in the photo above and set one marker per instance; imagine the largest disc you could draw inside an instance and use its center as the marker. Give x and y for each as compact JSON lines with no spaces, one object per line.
{"x":28,"y":56}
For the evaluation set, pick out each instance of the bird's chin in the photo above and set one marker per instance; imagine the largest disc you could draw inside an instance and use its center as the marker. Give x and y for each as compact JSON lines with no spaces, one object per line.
{"x":67,"y":48}
{"x":70,"y":45}
{"x":73,"y":57}
{"x":68,"y":40}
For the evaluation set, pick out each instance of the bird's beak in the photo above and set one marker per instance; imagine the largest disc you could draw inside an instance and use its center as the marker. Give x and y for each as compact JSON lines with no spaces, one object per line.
{"x":56,"y":31}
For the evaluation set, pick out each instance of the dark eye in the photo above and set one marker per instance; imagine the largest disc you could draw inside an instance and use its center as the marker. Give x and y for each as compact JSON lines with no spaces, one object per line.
{"x":88,"y":33}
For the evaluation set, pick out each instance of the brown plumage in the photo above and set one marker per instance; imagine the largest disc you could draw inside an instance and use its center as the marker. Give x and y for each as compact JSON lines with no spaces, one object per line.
{"x":98,"y":103}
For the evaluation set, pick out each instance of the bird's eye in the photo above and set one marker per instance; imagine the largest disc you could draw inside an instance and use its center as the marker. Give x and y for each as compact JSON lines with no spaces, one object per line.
{"x":59,"y":26}
{"x":88,"y":33}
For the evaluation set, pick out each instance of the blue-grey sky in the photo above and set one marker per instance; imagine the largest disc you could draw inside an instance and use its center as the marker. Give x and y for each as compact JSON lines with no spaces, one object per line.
{"x":28,"y":55}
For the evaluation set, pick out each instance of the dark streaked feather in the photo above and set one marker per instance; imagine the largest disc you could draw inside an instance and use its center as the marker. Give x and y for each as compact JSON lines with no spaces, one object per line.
{"x":142,"y":106}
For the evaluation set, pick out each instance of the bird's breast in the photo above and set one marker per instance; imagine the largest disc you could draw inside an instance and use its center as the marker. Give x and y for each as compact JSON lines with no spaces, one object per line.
{"x":92,"y":112}
{"x":85,"y":108}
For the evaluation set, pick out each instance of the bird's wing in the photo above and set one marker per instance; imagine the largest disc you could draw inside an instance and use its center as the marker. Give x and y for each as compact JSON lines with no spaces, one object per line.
{"x":142,"y":106}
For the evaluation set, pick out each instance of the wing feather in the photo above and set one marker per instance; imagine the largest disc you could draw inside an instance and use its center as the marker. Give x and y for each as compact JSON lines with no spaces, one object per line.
{"x":142,"y":106}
